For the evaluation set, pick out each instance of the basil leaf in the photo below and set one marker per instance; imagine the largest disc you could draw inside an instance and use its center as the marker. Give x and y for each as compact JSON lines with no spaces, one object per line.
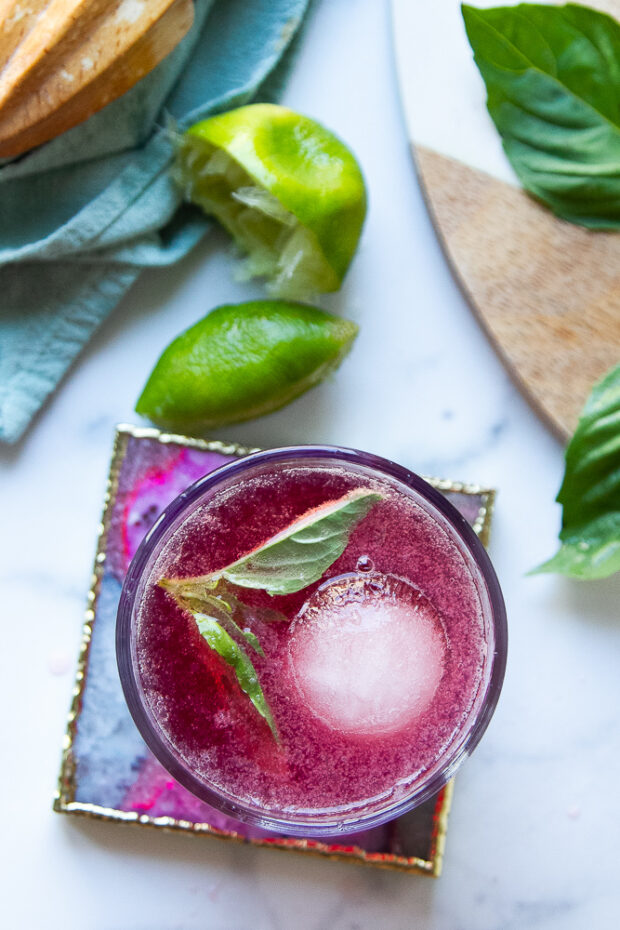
{"x":250,"y":637}
{"x":290,"y":560}
{"x":552,"y":75}
{"x":244,"y":612}
{"x":198,"y":599}
{"x":221,"y":642}
{"x":300,"y":554}
{"x":224,"y":609}
{"x":590,"y":492}
{"x":591,"y":551}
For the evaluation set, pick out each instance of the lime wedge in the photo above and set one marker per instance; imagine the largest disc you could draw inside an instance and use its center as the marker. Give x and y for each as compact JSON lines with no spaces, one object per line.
{"x":288,"y":191}
{"x":242,"y":361}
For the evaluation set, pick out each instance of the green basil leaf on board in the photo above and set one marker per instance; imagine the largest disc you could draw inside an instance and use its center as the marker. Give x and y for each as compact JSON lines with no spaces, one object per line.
{"x":294,"y":558}
{"x":552,"y":75}
{"x":590,"y":492}
{"x":221,"y":642}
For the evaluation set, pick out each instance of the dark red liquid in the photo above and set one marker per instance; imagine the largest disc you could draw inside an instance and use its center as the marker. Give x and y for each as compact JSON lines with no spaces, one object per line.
{"x":371,"y":682}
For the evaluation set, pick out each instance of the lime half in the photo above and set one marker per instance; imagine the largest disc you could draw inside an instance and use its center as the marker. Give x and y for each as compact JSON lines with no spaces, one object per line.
{"x":289,"y":192}
{"x":242,"y":361}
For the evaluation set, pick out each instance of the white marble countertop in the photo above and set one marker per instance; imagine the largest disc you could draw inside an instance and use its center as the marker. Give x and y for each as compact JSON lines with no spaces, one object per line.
{"x":532,"y":837}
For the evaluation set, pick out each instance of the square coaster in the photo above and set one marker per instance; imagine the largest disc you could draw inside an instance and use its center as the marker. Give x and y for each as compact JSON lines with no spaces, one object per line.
{"x":107,"y":772}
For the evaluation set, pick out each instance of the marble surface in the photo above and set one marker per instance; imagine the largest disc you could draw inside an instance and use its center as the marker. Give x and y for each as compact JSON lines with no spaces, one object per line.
{"x":532,"y":838}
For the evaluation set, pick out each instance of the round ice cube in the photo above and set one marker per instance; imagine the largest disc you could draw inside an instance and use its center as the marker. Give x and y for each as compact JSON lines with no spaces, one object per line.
{"x":367,"y":653}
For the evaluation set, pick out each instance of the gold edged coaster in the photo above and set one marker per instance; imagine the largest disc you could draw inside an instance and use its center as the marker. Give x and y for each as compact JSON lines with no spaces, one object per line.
{"x":111,"y":775}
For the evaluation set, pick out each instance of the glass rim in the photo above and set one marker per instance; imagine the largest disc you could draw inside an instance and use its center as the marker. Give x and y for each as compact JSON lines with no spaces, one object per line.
{"x":159,"y":745}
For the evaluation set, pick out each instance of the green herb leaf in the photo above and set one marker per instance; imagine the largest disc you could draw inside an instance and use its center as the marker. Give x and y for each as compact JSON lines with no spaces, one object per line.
{"x":250,"y":637}
{"x":552,"y":75}
{"x":226,"y":617}
{"x":287,"y":562}
{"x":221,"y":642}
{"x":299,"y":555}
{"x":245,"y":612}
{"x":217,"y":598}
{"x":590,"y":492}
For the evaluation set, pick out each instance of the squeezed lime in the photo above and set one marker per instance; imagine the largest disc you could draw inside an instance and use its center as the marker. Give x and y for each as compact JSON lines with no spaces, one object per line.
{"x":289,"y":192}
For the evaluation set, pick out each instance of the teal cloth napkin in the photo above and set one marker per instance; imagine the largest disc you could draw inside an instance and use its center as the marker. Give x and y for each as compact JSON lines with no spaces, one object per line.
{"x":81,"y":216}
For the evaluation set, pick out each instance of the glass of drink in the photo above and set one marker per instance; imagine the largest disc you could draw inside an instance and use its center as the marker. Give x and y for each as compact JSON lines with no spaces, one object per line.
{"x":311,"y":639}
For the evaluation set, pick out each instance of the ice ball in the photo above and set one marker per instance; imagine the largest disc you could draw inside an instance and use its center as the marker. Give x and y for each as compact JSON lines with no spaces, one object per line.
{"x":367,"y":653}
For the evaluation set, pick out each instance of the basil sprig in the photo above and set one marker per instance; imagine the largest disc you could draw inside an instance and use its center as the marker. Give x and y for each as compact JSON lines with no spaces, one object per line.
{"x":285,"y":563}
{"x":235,"y":656}
{"x":220,"y":603}
{"x":590,"y":492}
{"x":552,"y":75}
{"x":296,"y":557}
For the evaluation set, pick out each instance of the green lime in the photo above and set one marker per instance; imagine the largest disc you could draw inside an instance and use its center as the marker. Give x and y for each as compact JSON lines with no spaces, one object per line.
{"x":241,"y":361}
{"x":290,"y":193}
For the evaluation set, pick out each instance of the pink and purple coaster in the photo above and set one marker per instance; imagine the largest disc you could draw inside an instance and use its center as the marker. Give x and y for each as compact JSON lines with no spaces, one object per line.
{"x":107,"y":771}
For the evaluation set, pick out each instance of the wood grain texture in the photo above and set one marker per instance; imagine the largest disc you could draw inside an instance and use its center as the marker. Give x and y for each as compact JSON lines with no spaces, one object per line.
{"x":547,"y":292}
{"x":67,"y":59}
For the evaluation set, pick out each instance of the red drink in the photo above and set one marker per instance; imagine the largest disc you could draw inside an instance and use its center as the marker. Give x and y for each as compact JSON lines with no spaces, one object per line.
{"x":379,"y":676}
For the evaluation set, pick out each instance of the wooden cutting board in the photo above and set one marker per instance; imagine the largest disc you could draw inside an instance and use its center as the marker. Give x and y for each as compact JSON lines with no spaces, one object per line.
{"x":63,"y":60}
{"x":546,"y":291}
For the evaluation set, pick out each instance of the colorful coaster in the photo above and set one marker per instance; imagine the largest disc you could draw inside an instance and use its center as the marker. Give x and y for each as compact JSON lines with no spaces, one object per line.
{"x":107,"y":771}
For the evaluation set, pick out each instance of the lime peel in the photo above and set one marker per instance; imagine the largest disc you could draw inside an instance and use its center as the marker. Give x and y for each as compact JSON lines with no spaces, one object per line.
{"x":243,"y":361}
